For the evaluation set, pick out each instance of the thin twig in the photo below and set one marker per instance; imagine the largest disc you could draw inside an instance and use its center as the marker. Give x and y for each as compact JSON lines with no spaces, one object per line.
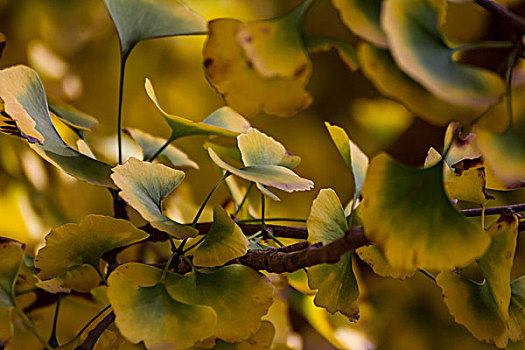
{"x":504,"y":14}
{"x":96,"y":332}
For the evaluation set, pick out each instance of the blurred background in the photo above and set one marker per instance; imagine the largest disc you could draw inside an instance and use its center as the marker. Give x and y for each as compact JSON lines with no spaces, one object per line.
{"x":74,"y":47}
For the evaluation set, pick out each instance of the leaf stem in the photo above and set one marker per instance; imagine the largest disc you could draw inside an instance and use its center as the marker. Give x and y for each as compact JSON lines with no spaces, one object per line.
{"x":246,"y":221}
{"x":484,"y":45}
{"x":123,"y":60}
{"x":194,"y":245}
{"x":30,"y":326}
{"x":426,"y":273}
{"x":53,"y":341}
{"x":167,"y":266}
{"x":244,"y":199}
{"x":159,"y":151}
{"x":203,"y":205}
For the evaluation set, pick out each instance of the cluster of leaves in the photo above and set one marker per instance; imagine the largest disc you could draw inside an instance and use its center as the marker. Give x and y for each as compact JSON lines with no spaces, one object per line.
{"x":401,"y":219}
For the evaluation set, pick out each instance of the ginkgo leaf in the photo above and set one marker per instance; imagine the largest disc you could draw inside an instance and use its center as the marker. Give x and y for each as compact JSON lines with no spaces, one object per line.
{"x":11,"y":257}
{"x":144,"y":186}
{"x":267,"y":175}
{"x":260,"y":340}
{"x":380,"y":68}
{"x":224,"y":241}
{"x":228,"y":152}
{"x":354,"y":158}
{"x":504,"y":154}
{"x":239,"y":295}
{"x":25,"y":102}
{"x":467,"y":185}
{"x":419,"y":50}
{"x":151,"y":144}
{"x":72,"y":117}
{"x":71,"y":247}
{"x":257,"y":148}
{"x":336,"y":283}
{"x":484,"y":307}
{"x":227,"y":118}
{"x":243,"y":88}
{"x":363,"y":18}
{"x":137,"y":20}
{"x":181,"y":127}
{"x":347,"y":53}
{"x":81,"y":278}
{"x":516,"y":327}
{"x":377,"y":261}
{"x":407,"y":213}
{"x":275,"y":47}
{"x":146,"y":311}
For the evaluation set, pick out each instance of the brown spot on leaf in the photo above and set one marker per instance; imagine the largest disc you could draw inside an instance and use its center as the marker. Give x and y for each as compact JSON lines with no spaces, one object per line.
{"x":207,"y":62}
{"x":299,"y":71}
{"x":507,"y":217}
{"x":265,"y":29}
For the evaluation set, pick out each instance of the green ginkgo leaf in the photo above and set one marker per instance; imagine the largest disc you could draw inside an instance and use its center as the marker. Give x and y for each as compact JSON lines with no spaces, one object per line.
{"x":11,"y":257}
{"x":82,"y":278}
{"x":77,"y":120}
{"x":151,"y":144}
{"x":363,"y":18}
{"x":239,"y":295}
{"x":243,"y":88}
{"x":516,"y":327}
{"x":144,"y":186}
{"x":258,"y":148}
{"x":484,"y":307}
{"x":504,"y":154}
{"x":137,"y":20}
{"x":267,"y":175}
{"x":224,"y":241}
{"x":275,"y":47}
{"x":181,"y":127}
{"x":377,"y":261}
{"x":419,"y":50}
{"x":467,"y":185}
{"x":73,"y":251}
{"x":407,"y":213}
{"x":146,"y":311}
{"x":354,"y":158}
{"x":347,"y":53}
{"x":25,"y":103}
{"x":379,"y":66}
{"x":336,"y":283}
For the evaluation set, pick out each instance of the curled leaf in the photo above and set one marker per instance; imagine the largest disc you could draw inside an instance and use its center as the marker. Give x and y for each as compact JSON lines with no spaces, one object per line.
{"x":419,"y":50}
{"x":144,"y":186}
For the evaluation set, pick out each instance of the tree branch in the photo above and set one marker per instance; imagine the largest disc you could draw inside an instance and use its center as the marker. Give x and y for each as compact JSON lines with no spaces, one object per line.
{"x":504,"y":14}
{"x":96,"y":332}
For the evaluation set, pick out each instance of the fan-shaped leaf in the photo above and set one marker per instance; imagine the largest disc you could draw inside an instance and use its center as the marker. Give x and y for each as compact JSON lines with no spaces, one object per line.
{"x":336,"y":283}
{"x":261,"y":340}
{"x":347,"y":53}
{"x":419,"y":50}
{"x":240,"y":84}
{"x":275,"y":47}
{"x":226,"y":118}
{"x":484,"y":308}
{"x":258,"y":148}
{"x":75,"y":119}
{"x":363,"y":18}
{"x":267,"y":175}
{"x":239,"y":295}
{"x":504,"y":154}
{"x":181,"y":127}
{"x":354,"y":158}
{"x":137,"y":20}
{"x":25,"y":102}
{"x":145,"y":311}
{"x":144,"y":186}
{"x":11,"y":257}
{"x":408,"y":215}
{"x":380,"y":68}
{"x":70,"y":247}
{"x":151,"y":144}
{"x":224,"y":241}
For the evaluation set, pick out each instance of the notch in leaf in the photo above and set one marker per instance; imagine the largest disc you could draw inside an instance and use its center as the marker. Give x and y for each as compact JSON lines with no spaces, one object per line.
{"x":144,"y":186}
